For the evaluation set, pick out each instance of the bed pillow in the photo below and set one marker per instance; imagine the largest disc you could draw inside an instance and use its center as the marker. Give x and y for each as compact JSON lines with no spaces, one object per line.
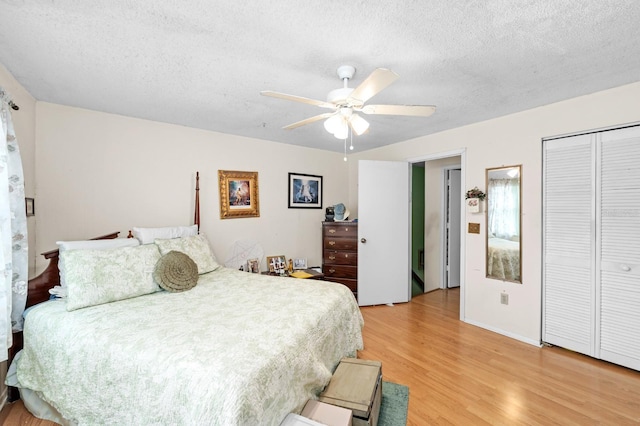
{"x":148,"y":235}
{"x":97,"y":244}
{"x":175,"y":272}
{"x":94,"y":277}
{"x":196,"y":247}
{"x":91,"y":245}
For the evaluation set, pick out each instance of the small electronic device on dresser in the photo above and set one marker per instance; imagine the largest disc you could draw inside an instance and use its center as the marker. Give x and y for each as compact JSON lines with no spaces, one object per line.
{"x":340,"y":253}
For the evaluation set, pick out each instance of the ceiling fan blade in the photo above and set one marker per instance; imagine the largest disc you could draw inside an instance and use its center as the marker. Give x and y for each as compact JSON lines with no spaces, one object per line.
{"x":371,"y":86}
{"x":415,"y":110}
{"x":309,"y":120}
{"x":294,"y":98}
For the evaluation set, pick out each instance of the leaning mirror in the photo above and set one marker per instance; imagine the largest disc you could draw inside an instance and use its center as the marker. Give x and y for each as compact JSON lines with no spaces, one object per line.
{"x":504,"y":242}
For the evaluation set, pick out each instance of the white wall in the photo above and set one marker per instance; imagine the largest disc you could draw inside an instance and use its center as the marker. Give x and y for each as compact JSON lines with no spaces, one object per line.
{"x":509,"y":140}
{"x":98,"y":173}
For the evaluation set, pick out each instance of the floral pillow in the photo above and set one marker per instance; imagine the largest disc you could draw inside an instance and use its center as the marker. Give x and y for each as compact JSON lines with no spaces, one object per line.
{"x":94,"y":277}
{"x":196,"y":247}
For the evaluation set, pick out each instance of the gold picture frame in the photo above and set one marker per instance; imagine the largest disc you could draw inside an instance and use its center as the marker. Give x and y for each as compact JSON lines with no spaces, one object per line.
{"x":238,"y":194}
{"x":277,"y":264}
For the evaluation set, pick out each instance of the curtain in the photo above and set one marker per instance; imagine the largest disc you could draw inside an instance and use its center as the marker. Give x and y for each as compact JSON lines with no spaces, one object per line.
{"x":503,"y":196}
{"x":13,"y":232}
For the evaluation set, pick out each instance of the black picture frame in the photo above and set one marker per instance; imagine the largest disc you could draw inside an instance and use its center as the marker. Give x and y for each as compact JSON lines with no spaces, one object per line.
{"x":30,"y":206}
{"x":305,"y":191}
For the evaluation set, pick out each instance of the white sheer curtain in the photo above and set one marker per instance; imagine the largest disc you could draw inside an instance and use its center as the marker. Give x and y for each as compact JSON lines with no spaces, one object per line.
{"x":503,"y":196}
{"x":13,"y":231}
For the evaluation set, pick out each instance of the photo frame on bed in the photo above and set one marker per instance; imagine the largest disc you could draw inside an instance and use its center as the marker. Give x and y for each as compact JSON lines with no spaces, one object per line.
{"x":238,"y":194}
{"x":305,"y":191}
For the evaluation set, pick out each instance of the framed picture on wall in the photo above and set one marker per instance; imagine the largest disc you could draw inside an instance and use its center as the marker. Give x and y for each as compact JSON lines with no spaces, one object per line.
{"x":238,"y":194}
{"x":30,"y":206}
{"x":305,"y":191}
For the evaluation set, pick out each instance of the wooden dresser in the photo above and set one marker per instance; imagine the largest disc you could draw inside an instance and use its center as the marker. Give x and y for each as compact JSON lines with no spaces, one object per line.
{"x":340,"y":253}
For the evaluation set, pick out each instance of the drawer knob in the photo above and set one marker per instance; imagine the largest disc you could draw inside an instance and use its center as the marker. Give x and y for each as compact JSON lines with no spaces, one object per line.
{"x":346,"y":229}
{"x":363,"y":240}
{"x":346,"y":256}
{"x":332,"y":231}
{"x":332,"y":243}
{"x":332,"y":258}
{"x":332,"y":271}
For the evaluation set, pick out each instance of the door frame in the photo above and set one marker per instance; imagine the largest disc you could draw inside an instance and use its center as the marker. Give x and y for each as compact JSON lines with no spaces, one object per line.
{"x":462,"y":153}
{"x":443,"y":226}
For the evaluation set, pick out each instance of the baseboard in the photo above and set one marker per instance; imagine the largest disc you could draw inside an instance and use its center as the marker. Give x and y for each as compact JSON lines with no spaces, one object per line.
{"x":506,"y":333}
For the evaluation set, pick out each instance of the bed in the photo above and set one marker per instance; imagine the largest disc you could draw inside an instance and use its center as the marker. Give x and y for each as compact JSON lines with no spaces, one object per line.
{"x":236,"y":349}
{"x":503,"y":259}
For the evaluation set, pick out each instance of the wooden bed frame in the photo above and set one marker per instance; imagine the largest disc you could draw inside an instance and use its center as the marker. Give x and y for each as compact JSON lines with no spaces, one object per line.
{"x":38,"y":287}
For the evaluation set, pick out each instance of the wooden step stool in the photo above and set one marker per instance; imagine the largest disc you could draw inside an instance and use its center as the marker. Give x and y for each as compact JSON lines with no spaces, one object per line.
{"x":356,"y":385}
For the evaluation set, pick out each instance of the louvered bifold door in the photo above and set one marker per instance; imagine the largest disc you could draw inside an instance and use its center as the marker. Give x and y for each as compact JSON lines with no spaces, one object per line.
{"x":568,"y":317}
{"x":619,"y":246}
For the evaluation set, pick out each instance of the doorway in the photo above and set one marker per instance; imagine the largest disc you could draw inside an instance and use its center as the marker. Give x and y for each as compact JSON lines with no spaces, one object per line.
{"x":451,"y":214}
{"x":434,"y":257}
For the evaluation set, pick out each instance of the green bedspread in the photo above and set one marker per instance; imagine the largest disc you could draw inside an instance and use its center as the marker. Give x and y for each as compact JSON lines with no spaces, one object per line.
{"x":238,"y":349}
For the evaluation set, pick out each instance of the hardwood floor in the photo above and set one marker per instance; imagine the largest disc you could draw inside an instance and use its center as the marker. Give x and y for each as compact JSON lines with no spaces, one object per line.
{"x":459,"y":374}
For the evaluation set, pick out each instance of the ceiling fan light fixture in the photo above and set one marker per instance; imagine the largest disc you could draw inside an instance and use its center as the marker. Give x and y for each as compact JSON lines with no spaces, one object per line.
{"x":332,"y":123}
{"x":358,"y":124}
{"x":343,"y":130}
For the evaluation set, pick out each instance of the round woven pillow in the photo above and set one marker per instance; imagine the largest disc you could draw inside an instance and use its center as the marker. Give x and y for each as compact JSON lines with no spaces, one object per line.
{"x":175,"y":272}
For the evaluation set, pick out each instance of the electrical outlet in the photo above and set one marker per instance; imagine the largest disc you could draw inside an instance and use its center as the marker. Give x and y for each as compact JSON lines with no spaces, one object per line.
{"x":504,"y":298}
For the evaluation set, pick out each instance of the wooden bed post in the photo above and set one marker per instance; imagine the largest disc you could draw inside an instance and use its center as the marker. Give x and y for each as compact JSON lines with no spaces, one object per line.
{"x":196,"y":218}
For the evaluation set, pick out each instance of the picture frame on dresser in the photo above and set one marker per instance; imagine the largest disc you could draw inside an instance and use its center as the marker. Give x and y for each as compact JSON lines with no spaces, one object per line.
{"x":305,"y":191}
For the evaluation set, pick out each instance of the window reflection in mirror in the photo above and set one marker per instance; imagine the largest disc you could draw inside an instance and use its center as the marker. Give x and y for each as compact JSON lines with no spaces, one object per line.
{"x":504,"y":245}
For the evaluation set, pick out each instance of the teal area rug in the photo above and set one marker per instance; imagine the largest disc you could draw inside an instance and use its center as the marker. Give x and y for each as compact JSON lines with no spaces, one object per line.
{"x":394,"y":406}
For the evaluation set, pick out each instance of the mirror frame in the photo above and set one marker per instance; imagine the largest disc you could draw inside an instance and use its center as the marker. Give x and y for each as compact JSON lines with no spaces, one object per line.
{"x":487,"y":172}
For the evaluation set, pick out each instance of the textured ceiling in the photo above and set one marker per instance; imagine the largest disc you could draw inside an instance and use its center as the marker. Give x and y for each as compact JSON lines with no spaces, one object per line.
{"x":203,"y":63}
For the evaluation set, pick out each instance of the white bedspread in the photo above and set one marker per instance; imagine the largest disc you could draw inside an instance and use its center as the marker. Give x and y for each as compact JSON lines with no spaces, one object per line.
{"x":238,"y":349}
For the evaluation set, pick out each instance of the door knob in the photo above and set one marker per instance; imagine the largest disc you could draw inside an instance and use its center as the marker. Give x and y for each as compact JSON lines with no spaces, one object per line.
{"x":363,"y":240}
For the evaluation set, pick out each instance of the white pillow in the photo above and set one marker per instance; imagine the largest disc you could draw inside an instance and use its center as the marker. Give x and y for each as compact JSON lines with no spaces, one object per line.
{"x":91,"y":245}
{"x":95,"y":277}
{"x":196,"y":247}
{"x":97,"y":244}
{"x":148,"y":235}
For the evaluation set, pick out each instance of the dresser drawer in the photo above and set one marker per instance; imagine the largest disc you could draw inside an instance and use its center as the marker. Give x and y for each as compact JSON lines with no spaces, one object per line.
{"x":349,"y":244}
{"x":342,"y":230}
{"x":351,"y":283}
{"x":341,"y":257}
{"x":339,"y":271}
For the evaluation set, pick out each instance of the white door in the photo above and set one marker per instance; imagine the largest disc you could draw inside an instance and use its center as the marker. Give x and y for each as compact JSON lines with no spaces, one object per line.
{"x":568,"y":238}
{"x":452,"y":236}
{"x":383,"y":233}
{"x":619,"y":238}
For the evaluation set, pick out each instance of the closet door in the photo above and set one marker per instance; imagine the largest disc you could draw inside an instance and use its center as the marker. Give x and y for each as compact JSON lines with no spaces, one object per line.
{"x":619,"y":245}
{"x":568,"y":243}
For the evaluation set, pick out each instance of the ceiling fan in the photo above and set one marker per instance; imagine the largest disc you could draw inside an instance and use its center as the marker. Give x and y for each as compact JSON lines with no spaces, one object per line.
{"x":346,"y":102}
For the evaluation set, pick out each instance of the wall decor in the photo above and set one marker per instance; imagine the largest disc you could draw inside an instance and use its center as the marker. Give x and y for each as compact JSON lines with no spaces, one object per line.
{"x":238,"y":194}
{"x":305,"y":191}
{"x":30,"y":206}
